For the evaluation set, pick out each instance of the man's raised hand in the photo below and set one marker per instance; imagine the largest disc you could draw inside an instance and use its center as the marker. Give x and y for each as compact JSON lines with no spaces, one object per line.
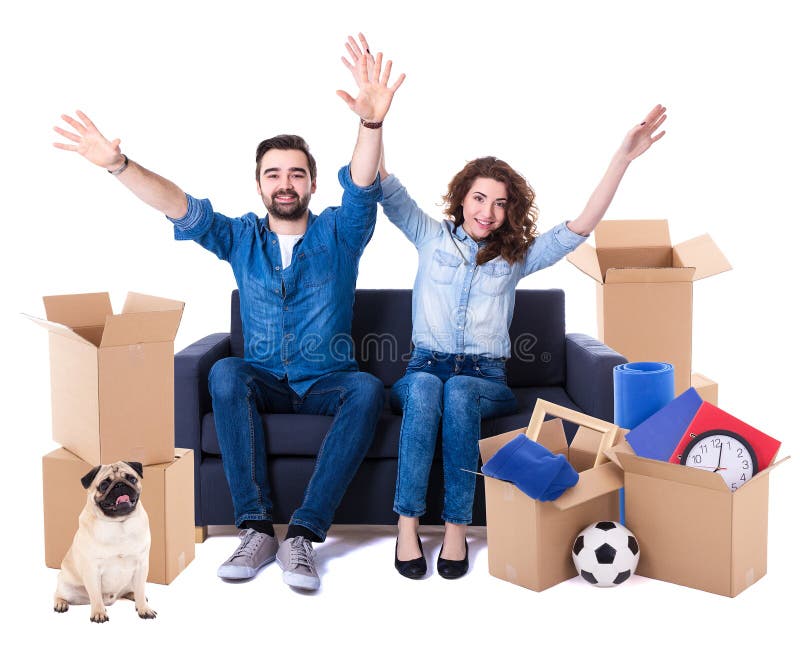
{"x":89,"y":142}
{"x":374,"y":92}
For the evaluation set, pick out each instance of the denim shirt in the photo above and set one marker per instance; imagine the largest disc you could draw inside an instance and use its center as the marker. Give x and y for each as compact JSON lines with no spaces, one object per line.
{"x":296,"y":321}
{"x":459,"y":307}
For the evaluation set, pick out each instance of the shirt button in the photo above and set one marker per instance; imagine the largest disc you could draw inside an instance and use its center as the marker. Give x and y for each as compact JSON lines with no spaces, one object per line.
{"x":286,"y":307}
{"x":277,"y":268}
{"x":274,"y":241}
{"x":277,"y":291}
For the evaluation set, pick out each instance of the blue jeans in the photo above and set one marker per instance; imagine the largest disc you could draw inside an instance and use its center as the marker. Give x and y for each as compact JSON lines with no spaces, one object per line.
{"x":241,"y":390}
{"x":456,"y":391}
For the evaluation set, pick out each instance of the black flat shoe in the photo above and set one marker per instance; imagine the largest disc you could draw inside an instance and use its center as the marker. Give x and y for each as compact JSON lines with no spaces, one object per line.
{"x":413,"y":569}
{"x":453,"y":569}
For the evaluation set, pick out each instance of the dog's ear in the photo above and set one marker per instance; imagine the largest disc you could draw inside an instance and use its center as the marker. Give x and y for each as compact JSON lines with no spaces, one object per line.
{"x":137,"y":467}
{"x":88,"y":478}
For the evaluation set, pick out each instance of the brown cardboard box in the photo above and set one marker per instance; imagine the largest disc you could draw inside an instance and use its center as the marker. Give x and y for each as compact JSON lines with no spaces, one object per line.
{"x":706,"y":387}
{"x":530,"y":541}
{"x":691,"y":528}
{"x":167,"y":496}
{"x":644,"y":289}
{"x":112,"y":376}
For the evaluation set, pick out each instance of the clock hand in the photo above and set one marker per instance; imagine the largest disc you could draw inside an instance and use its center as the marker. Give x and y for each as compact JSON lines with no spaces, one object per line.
{"x":720,"y":458}
{"x":710,"y":468}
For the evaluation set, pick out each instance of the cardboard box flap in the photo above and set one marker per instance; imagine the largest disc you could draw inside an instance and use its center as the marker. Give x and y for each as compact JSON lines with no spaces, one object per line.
{"x":672,"y":472}
{"x":768,"y":470}
{"x":586,"y":440}
{"x":632,"y":234}
{"x":702,"y":253}
{"x":490,"y":446}
{"x":134,"y":328}
{"x":593,"y":482}
{"x":584,"y":257}
{"x":78,"y":310}
{"x":55,"y":327}
{"x":656,"y":274}
{"x":144,"y":303}
{"x":552,"y":435}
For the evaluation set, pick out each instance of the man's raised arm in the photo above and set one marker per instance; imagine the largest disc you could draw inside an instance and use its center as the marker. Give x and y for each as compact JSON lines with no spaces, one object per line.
{"x":151,"y":188}
{"x":372,"y":104}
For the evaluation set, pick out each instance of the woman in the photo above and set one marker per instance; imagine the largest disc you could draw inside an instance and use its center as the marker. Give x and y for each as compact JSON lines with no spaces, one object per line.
{"x":463,"y":303}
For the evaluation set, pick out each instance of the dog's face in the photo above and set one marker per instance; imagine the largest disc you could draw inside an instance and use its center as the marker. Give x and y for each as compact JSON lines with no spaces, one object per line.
{"x":115,"y":488}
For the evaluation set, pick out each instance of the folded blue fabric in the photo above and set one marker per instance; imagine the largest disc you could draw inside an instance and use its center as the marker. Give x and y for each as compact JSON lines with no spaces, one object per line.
{"x":532,"y":468}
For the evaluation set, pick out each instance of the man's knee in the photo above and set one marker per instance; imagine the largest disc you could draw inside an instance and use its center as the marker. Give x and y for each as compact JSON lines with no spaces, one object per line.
{"x":367,"y":391}
{"x":227,"y":379}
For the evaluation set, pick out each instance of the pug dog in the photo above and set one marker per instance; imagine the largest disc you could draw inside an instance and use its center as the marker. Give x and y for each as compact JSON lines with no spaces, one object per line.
{"x":109,"y":556}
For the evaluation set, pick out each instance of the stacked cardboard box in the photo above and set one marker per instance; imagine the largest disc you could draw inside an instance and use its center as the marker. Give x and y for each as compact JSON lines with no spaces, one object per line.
{"x":112,"y":390}
{"x":644,"y":289}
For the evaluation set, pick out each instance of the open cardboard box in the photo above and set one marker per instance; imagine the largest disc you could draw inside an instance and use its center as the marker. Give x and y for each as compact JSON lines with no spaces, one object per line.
{"x":167,"y":496}
{"x":644,"y":289}
{"x":112,"y":376}
{"x":692,"y":529}
{"x":529,"y":541}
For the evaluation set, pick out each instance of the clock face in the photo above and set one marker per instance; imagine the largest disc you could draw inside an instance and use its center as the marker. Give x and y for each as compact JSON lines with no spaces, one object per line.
{"x":723,"y":452}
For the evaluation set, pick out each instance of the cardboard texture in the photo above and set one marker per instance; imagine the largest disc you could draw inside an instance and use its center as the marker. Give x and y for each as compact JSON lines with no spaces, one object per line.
{"x":167,"y":496}
{"x":112,"y":376}
{"x":692,"y":530}
{"x":706,"y":388}
{"x":644,"y":289}
{"x":529,"y":541}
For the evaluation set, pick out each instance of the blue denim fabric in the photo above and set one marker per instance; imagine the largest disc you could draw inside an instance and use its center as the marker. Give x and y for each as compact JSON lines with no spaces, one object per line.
{"x":240,"y":390}
{"x":296,"y":321}
{"x":457,"y":306}
{"x":456,"y":391}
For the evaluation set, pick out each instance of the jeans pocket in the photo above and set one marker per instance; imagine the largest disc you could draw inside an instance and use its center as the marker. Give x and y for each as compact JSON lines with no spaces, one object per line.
{"x":444,"y":267}
{"x":419,"y":361}
{"x":491,"y":371}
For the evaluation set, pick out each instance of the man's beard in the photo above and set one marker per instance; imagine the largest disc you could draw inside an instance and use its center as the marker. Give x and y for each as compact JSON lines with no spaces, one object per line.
{"x":290,"y":210}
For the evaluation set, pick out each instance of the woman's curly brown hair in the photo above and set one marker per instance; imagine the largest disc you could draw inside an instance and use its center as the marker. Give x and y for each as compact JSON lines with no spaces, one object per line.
{"x":512,"y":239}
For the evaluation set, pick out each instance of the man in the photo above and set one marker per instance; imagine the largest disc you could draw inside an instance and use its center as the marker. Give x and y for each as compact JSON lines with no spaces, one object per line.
{"x":296,"y":274}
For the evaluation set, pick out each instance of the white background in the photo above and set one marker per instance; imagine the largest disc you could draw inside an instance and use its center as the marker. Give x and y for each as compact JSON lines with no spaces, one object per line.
{"x":192,"y":87}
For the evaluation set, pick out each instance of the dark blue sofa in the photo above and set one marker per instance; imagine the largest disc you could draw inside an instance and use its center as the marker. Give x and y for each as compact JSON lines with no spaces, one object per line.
{"x":573,"y":370}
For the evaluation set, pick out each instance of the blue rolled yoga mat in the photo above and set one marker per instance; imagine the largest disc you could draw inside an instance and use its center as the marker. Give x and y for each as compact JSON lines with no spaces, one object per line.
{"x":641,"y":389}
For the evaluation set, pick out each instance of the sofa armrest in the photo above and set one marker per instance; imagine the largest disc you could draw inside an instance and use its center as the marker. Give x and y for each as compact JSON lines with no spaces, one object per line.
{"x":590,"y":375}
{"x":192,"y":398}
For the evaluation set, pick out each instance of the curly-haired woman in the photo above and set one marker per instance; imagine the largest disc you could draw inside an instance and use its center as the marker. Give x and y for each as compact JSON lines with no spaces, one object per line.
{"x":463,"y":302}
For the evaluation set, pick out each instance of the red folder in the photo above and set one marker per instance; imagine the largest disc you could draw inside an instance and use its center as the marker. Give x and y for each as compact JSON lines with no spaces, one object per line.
{"x":710,"y":418}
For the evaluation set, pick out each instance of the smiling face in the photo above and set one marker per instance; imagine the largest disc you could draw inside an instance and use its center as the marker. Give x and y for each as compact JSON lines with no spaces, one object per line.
{"x":285,"y":184}
{"x":484,"y":207}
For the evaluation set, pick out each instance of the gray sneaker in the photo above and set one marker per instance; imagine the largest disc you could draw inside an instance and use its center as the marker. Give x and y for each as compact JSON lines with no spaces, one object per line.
{"x":254,"y":552}
{"x":296,"y":558}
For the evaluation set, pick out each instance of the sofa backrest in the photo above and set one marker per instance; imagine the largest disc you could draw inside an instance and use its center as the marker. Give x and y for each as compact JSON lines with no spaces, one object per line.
{"x":382,"y":335}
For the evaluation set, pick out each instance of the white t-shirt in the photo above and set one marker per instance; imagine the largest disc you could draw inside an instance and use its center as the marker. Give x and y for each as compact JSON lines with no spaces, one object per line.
{"x":287,"y":242}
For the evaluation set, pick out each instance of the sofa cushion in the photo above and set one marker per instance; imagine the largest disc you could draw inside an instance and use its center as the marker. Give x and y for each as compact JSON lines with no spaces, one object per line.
{"x":302,"y":435}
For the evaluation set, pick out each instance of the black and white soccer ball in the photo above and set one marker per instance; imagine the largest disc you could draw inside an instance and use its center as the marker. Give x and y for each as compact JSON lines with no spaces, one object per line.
{"x":605,"y":553}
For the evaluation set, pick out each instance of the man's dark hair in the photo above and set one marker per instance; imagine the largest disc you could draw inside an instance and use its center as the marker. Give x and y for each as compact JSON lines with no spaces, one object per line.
{"x":285,"y":142}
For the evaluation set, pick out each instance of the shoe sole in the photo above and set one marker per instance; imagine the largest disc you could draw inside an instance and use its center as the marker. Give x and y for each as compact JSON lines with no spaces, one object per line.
{"x":237,"y":572}
{"x":297,"y":580}
{"x":303,"y":581}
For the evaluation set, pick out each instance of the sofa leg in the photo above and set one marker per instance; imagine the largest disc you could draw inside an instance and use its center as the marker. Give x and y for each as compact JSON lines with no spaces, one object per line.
{"x":200,"y":534}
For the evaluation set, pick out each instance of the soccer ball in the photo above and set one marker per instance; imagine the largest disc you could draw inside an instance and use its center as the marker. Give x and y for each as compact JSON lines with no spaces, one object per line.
{"x":605,"y":553}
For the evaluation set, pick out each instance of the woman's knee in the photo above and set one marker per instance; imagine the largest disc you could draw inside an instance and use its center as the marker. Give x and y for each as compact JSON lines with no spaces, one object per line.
{"x":420,"y":391}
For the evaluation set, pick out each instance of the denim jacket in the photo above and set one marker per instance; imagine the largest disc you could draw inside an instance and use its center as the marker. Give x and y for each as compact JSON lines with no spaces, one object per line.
{"x":296,"y":321}
{"x":457,"y":306}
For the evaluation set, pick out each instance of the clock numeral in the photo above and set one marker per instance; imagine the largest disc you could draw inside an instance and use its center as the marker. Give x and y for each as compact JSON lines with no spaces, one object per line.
{"x":733,"y":486}
{"x":743,"y":477}
{"x":739,"y":453}
{"x":745,"y":465}
{"x":697,"y":458}
{"x":704,"y":448}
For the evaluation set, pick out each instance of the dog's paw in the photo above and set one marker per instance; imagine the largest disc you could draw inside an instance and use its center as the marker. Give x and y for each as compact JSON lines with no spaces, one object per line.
{"x":99,"y":616}
{"x":60,"y":605}
{"x":146,"y":612}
